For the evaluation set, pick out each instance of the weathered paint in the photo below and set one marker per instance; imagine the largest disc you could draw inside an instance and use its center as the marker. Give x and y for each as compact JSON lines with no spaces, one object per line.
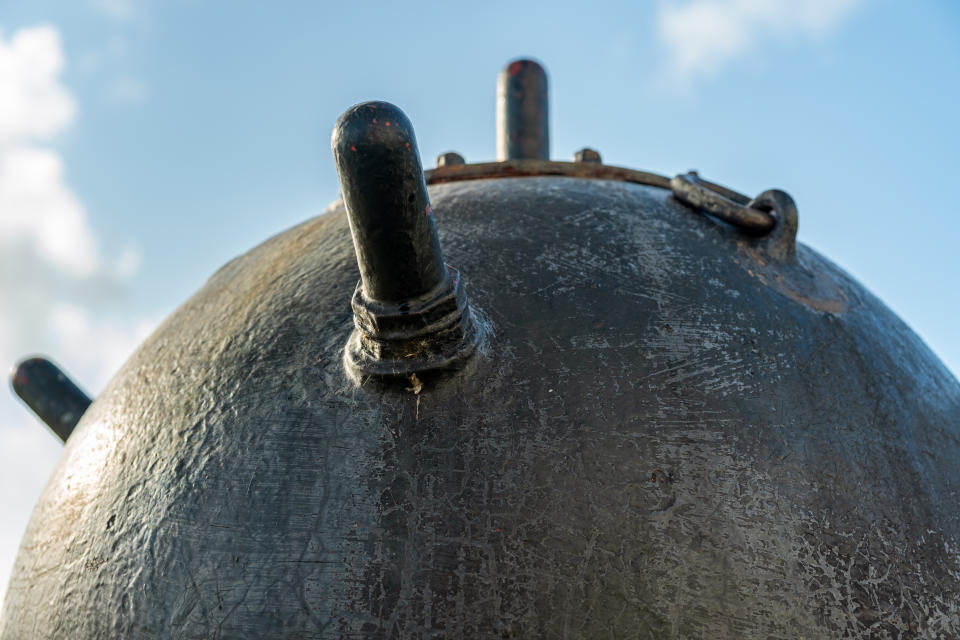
{"x":656,"y":440}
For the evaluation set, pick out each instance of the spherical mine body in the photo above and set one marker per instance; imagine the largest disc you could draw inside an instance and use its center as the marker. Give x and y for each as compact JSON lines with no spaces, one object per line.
{"x":666,"y":429}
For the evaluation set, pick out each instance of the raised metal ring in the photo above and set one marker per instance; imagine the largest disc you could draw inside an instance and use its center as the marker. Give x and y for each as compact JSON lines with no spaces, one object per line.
{"x":723,"y":203}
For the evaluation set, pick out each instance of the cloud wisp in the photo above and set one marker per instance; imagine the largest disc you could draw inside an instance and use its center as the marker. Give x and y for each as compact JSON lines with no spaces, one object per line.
{"x":119,"y":10}
{"x":703,"y":36}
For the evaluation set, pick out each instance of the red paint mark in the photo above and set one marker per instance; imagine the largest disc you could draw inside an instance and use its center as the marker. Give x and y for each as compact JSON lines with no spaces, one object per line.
{"x":408,"y":145}
{"x":374,"y":121}
{"x":387,"y":123}
{"x":428,"y":209}
{"x":498,"y":529}
{"x":352,"y":148}
{"x":514,"y":68}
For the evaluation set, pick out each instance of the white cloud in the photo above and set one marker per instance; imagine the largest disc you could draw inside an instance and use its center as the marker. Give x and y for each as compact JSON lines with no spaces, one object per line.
{"x":34,"y":104}
{"x":701,"y":36}
{"x":38,"y":209}
{"x":54,"y":278}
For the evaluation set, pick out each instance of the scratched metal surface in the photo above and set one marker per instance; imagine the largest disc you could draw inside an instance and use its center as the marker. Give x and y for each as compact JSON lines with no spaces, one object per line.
{"x":664,"y":436}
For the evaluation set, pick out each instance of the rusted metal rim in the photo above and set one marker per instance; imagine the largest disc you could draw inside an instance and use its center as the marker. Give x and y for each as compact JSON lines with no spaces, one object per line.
{"x":721,"y":202}
{"x":529,"y":168}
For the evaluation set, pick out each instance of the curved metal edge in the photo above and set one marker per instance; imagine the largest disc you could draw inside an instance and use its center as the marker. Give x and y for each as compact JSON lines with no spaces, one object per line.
{"x":530,"y":168}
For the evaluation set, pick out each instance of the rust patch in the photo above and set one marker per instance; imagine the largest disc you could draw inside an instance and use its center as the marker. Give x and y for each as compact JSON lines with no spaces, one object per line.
{"x":795,"y":281}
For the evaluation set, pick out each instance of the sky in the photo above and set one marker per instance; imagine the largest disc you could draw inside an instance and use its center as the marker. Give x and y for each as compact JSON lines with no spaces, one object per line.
{"x":143,"y":143}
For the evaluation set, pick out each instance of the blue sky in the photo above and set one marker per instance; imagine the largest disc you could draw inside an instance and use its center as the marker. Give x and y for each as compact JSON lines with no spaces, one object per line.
{"x":144,"y":143}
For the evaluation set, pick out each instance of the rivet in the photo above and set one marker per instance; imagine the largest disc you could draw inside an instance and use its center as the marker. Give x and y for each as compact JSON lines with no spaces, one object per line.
{"x":450,"y":159}
{"x":588,"y":155}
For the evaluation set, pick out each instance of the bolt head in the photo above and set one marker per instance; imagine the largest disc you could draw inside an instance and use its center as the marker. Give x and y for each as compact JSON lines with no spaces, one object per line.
{"x":588,"y":155}
{"x":449,"y":159}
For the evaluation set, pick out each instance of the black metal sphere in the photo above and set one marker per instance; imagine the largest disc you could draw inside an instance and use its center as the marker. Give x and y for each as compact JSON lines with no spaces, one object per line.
{"x":666,"y":430}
